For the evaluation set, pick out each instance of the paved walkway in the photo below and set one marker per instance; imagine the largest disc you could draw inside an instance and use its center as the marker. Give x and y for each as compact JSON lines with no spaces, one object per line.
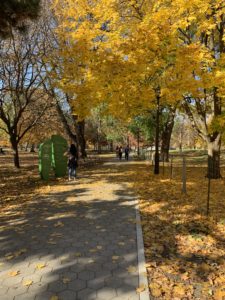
{"x":78,"y":241}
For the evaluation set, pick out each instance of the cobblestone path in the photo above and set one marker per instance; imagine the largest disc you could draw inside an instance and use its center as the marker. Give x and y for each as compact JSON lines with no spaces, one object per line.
{"x":77,"y":241}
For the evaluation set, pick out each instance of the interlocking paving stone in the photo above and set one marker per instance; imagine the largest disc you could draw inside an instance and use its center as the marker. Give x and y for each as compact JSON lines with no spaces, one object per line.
{"x":83,"y":236}
{"x":77,"y":285}
{"x":86,"y":275}
{"x":106,"y":293}
{"x":87,"y":294}
{"x":96,"y":283}
{"x":67,"y":295}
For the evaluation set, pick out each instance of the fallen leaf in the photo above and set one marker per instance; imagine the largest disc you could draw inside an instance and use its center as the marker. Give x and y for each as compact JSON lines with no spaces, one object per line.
{"x":14,"y":273}
{"x":66,"y":280}
{"x":219,"y":294}
{"x":27,"y":282}
{"x":141,"y":288}
{"x":40,"y":266}
{"x":179,"y":291}
{"x":155,"y":289}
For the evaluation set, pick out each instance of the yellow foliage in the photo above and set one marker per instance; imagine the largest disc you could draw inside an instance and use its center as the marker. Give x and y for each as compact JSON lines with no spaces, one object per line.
{"x":120,"y":52}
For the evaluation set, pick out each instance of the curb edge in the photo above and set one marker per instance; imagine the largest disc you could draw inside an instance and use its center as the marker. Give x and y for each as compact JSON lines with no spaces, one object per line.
{"x":143,"y":280}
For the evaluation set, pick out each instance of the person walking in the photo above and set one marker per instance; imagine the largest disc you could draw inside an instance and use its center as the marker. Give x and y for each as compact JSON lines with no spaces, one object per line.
{"x":117,"y":151}
{"x":120,"y":152}
{"x":127,"y":151}
{"x":72,"y":162}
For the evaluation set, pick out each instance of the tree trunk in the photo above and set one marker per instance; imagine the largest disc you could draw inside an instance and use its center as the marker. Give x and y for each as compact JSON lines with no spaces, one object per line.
{"x":156,"y":165}
{"x":81,"y":139}
{"x":214,"y":158}
{"x":166,"y":137}
{"x":14,"y":144}
{"x":65,"y":124}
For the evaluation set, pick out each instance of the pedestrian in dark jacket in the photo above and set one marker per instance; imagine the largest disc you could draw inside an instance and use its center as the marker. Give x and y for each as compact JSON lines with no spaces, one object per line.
{"x":72,"y":162}
{"x":127,"y":151}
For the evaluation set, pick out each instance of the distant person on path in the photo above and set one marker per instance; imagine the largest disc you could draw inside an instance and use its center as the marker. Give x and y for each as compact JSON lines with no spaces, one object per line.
{"x":72,"y":162}
{"x":120,"y":152}
{"x":127,"y":151}
{"x":117,"y":151}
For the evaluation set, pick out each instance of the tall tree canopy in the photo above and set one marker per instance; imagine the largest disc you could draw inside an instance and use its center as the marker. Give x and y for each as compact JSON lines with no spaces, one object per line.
{"x":126,"y":53}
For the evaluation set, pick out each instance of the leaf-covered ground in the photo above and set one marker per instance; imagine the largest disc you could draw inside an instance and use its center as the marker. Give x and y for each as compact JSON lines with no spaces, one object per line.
{"x":185,"y":250}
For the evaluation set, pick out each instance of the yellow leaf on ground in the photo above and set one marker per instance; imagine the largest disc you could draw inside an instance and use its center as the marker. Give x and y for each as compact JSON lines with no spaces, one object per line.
{"x":219,"y":294}
{"x":141,"y":288}
{"x":66,"y":280}
{"x":155,"y":289}
{"x":179,"y":291}
{"x":27,"y":282}
{"x":99,"y":247}
{"x":14,"y":273}
{"x":40,"y":266}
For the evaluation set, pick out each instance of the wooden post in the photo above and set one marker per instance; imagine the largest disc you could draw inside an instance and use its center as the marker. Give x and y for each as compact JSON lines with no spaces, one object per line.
{"x":163,"y":165}
{"x":184,"y":177}
{"x":208,"y":198}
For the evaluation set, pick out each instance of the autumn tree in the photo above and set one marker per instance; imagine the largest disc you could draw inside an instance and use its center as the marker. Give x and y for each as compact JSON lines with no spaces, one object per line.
{"x":21,"y":77}
{"x":48,"y":124}
{"x":128,"y":53}
{"x":199,"y":29}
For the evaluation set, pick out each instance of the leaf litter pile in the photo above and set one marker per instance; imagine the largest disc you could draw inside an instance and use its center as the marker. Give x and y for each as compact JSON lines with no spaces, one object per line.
{"x":185,"y":250}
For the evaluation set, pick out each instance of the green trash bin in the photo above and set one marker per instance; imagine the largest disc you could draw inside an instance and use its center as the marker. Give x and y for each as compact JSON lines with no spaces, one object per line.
{"x":59,"y":160}
{"x":45,"y":159}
